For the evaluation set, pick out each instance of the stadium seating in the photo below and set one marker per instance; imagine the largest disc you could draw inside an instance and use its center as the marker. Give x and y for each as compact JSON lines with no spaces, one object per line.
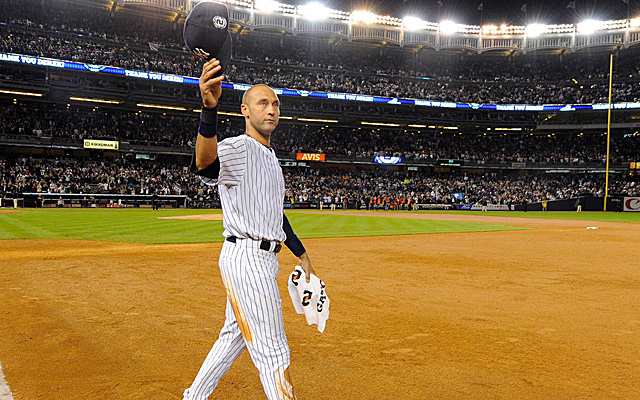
{"x":500,"y":157}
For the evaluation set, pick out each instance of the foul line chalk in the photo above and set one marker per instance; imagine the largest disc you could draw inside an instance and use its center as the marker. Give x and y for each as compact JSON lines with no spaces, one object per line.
{"x":5,"y":392}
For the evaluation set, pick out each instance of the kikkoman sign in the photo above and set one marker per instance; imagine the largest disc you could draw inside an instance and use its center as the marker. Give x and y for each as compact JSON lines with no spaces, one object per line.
{"x":101,"y":144}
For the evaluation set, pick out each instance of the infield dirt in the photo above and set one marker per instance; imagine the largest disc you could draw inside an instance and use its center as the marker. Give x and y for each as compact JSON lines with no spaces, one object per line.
{"x":552,"y":312}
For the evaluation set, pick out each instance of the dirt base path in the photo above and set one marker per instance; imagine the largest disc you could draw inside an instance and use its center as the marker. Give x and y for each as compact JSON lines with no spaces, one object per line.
{"x":547,"y":313}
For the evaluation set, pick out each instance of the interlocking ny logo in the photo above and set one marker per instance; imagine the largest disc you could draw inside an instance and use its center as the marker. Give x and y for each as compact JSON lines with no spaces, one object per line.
{"x":199,"y":52}
{"x":219,"y":22}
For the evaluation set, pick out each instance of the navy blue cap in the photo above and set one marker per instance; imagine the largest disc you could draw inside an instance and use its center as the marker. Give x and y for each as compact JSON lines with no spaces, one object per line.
{"x":206,"y":32}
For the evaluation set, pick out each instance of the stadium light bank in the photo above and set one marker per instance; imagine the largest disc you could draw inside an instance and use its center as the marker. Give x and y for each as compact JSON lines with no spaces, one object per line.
{"x":448,"y":27}
{"x":589,"y":26}
{"x":535,"y":30}
{"x":316,"y":11}
{"x":413,"y":23}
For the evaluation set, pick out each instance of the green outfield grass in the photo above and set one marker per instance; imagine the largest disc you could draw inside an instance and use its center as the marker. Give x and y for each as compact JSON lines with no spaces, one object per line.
{"x":632,"y":217}
{"x":144,"y":226}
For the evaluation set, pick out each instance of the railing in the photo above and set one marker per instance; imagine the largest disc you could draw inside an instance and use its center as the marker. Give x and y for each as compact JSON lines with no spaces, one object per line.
{"x":77,"y":144}
{"x":173,"y":5}
{"x":155,"y":148}
{"x":100,"y":200}
{"x":549,"y":43}
{"x":304,"y":26}
{"x":368,"y":33}
{"x":477,"y":164}
{"x":433,"y":38}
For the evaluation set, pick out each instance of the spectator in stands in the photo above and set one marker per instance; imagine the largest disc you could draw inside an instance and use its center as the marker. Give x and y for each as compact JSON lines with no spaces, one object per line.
{"x":16,"y":197}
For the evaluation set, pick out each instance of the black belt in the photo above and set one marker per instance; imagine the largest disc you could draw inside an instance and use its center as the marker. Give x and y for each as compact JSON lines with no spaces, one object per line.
{"x":264,"y":244}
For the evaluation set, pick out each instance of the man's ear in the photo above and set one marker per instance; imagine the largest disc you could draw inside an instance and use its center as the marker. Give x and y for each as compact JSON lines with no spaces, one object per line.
{"x":245,"y":110}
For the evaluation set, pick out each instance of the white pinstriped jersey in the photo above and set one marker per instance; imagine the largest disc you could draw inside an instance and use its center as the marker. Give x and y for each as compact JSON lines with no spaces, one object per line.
{"x":251,"y":189}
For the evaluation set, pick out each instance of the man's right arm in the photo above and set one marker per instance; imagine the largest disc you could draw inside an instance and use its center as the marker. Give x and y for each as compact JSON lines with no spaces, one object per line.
{"x":210,"y":90}
{"x":207,"y":142}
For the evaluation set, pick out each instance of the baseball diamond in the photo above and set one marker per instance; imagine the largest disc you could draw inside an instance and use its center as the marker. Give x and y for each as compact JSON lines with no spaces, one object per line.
{"x":340,"y":200}
{"x":498,"y":314}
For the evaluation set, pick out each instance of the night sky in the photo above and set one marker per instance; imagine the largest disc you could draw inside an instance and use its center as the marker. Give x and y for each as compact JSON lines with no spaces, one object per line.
{"x":495,"y":12}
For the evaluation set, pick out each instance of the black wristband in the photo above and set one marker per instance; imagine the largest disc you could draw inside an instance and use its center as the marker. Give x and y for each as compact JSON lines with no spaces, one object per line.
{"x":209,"y":115}
{"x":207,"y":130}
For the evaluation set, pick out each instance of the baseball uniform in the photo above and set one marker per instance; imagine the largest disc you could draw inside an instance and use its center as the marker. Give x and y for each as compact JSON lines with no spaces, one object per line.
{"x":251,"y":186}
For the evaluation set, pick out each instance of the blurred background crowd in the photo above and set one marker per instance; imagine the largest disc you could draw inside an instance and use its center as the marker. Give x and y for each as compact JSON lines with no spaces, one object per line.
{"x":128,"y":40}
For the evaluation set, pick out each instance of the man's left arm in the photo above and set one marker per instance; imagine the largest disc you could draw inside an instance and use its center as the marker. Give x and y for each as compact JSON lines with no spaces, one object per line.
{"x":295,"y":245}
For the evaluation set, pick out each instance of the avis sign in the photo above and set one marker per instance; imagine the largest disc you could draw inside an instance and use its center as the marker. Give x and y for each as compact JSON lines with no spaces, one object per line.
{"x":310,"y":157}
{"x":631,"y":204}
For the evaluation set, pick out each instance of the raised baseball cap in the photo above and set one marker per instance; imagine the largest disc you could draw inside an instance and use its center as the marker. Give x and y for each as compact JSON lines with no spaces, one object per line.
{"x":206,"y":32}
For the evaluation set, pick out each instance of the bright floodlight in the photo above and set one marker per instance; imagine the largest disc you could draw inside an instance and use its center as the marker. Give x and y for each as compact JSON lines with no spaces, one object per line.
{"x":413,"y":23}
{"x":589,"y":26}
{"x":448,"y":27}
{"x":363,"y":16}
{"x":314,"y":11}
{"x":267,"y":5}
{"x":534,"y":30}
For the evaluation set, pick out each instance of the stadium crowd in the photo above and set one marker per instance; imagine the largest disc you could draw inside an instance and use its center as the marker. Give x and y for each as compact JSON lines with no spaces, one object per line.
{"x":62,"y":17}
{"x":367,"y":187}
{"x":91,"y":20}
{"x":56,"y":121}
{"x":380,"y":187}
{"x":573,"y":149}
{"x":129,"y":41}
{"x":119,"y":176}
{"x":96,"y":35}
{"x":499,"y":90}
{"x":371,"y":189}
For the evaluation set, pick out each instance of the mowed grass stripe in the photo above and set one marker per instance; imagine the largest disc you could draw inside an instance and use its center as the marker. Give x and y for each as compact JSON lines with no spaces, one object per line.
{"x":631,"y":217}
{"x":11,"y":228}
{"x":335,"y":225}
{"x":138,"y":226}
{"x":144,"y":226}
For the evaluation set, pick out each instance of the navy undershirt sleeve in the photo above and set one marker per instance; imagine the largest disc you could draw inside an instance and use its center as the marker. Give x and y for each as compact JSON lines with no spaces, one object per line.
{"x":292,"y":242}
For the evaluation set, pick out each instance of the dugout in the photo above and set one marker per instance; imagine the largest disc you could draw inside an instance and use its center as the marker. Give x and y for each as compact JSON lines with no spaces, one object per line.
{"x":102,"y":200}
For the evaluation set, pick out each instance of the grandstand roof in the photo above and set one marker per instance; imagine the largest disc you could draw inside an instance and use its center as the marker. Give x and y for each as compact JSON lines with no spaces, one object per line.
{"x":493,"y":11}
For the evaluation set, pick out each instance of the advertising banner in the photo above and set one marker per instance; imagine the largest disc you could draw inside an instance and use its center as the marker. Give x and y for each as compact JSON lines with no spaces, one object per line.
{"x":310,"y":157}
{"x":631,"y":204}
{"x":387,"y":160}
{"x":48,"y":62}
{"x":490,"y":207}
{"x":101,"y":144}
{"x":435,"y":206}
{"x":298,"y":205}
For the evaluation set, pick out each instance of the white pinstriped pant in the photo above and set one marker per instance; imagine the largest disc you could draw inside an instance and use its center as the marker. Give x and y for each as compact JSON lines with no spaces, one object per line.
{"x":253,"y":321}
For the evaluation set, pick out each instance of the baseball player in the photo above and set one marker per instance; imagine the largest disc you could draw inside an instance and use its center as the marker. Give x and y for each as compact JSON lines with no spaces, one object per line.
{"x":252,"y":190}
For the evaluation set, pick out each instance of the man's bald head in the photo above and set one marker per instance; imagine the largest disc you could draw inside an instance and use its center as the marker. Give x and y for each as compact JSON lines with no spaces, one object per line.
{"x":248,"y":93}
